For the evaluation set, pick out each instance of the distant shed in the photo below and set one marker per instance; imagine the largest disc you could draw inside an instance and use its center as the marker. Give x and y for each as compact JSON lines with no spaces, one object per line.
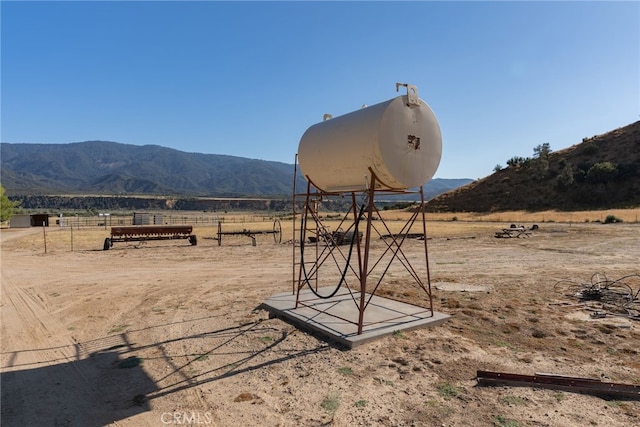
{"x":20,"y":221}
{"x":147,"y":219}
{"x":26,"y":220}
{"x":39,"y":220}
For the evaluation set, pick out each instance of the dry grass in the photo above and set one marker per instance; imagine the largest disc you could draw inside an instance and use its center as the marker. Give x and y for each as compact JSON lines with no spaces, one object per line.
{"x":438,"y":225}
{"x":627,"y":215}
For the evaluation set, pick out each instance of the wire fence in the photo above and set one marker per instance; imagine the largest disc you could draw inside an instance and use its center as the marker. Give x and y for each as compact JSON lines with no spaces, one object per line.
{"x":153,"y":219}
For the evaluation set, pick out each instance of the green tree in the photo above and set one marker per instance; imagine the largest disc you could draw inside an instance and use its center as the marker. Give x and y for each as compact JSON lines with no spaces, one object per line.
{"x":542,"y":151}
{"x":540,"y":168}
{"x":565,"y":179}
{"x":602,"y":172}
{"x":7,"y":207}
{"x":517,"y":161}
{"x":541,"y":160}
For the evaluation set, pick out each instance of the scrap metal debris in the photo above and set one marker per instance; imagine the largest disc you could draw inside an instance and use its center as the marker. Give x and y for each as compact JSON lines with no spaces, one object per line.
{"x":561,"y":382}
{"x":516,"y":231}
{"x":620,"y":297}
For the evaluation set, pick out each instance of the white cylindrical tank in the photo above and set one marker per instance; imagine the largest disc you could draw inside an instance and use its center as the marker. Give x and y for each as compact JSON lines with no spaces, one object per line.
{"x":399,"y":140}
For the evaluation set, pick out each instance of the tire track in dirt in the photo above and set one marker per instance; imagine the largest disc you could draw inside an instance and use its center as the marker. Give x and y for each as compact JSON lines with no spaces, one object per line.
{"x":37,"y":350}
{"x":26,"y":321}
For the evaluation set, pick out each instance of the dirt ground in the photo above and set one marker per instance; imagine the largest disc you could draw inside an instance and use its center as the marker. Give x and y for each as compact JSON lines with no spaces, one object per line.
{"x":164,"y":333}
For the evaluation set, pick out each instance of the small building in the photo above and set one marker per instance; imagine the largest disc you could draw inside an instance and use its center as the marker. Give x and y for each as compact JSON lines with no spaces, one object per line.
{"x":147,"y":219}
{"x":29,"y":220}
{"x":141,"y":218}
{"x":40,"y":220}
{"x":20,"y":221}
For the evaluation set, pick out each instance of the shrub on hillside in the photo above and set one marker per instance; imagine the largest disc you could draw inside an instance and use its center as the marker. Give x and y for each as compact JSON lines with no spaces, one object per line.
{"x":611,"y":219}
{"x":602,"y":172}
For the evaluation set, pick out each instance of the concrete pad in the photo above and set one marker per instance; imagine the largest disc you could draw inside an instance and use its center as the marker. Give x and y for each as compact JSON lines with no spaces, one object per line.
{"x":336,"y":318}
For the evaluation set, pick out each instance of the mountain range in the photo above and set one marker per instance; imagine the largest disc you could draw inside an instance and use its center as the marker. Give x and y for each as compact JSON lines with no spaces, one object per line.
{"x":601,"y":172}
{"x":111,"y":168}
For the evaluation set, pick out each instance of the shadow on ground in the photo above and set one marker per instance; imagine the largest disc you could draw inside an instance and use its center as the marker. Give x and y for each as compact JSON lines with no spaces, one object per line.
{"x":107,"y":381}
{"x":95,"y":391}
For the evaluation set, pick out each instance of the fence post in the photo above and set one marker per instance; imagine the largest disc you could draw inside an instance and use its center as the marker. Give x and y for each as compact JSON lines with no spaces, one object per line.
{"x":44,"y":234}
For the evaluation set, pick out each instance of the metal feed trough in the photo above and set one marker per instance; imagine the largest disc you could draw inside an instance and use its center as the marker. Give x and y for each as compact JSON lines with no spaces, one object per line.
{"x":150,"y":232}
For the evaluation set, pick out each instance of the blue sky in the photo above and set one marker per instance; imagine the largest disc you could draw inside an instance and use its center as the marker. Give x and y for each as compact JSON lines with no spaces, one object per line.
{"x":248,"y":78}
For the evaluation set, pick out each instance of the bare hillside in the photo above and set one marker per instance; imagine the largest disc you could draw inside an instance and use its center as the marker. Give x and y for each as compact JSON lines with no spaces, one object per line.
{"x":601,"y":172}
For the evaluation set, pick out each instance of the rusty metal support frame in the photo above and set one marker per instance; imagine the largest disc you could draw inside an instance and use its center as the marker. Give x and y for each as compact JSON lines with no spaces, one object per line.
{"x":317,"y":247}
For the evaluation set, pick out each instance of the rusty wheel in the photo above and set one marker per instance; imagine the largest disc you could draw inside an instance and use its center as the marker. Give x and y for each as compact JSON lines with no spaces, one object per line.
{"x":277,"y":231}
